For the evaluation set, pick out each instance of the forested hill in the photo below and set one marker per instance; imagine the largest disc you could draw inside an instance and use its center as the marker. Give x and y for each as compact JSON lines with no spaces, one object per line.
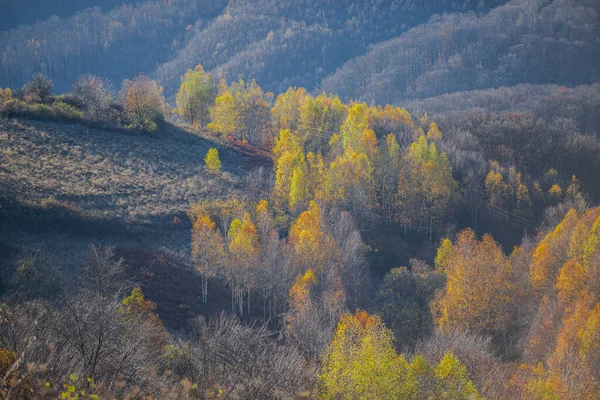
{"x":524,"y":41}
{"x":278,"y":43}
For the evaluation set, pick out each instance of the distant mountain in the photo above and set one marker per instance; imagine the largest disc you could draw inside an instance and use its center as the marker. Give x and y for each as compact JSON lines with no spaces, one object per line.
{"x":288,"y":43}
{"x":524,"y":41}
{"x":278,"y":43}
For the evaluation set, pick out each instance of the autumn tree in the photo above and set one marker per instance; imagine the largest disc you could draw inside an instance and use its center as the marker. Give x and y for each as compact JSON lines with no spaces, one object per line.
{"x":349,"y":183}
{"x":551,"y":253}
{"x":244,"y":251}
{"x":320,"y":118}
{"x":307,"y":238}
{"x":289,"y":162}
{"x":479,"y":285}
{"x":144,"y":102}
{"x":508,"y":193}
{"x":301,"y":324}
{"x":354,"y":127}
{"x":299,"y":188}
{"x":195,"y":97}
{"x":361,"y":363}
{"x":287,"y":109}
{"x":224,"y":114}
{"x":208,"y":252}
{"x":453,"y":380}
{"x":426,"y":187}
{"x":389,"y":119}
{"x":243,"y":111}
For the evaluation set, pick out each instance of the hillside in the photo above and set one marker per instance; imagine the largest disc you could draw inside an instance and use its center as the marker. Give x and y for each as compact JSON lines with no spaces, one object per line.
{"x":62,"y":186}
{"x":277,"y":43}
{"x":523,"y":41}
{"x":338,"y":199}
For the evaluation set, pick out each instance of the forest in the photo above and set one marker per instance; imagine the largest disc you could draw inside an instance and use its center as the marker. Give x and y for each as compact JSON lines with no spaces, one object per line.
{"x":275,"y":200}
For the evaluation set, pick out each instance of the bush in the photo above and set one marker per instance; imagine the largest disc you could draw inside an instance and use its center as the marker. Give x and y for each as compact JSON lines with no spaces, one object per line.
{"x":56,"y":111}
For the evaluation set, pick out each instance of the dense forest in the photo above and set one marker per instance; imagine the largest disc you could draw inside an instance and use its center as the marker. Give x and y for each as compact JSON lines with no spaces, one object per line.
{"x":275,"y":200}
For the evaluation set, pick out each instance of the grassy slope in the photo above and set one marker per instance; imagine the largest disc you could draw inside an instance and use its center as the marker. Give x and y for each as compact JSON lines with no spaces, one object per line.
{"x":63,"y":186}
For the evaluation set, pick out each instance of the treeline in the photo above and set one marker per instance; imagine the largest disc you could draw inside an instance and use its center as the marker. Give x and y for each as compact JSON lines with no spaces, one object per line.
{"x":524,"y":41}
{"x":139,"y":105}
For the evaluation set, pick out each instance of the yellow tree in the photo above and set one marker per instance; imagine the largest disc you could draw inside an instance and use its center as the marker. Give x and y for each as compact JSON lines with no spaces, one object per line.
{"x":299,"y":188}
{"x":224,"y":114}
{"x":244,"y":251}
{"x":361,"y":363}
{"x":242,"y":111}
{"x":306,"y":238}
{"x":287,"y":109}
{"x":478,"y":288}
{"x":568,"y":363}
{"x":353,"y":127}
{"x":212,"y":161}
{"x":208,"y":251}
{"x":349,"y":183}
{"x":389,"y":119}
{"x":288,"y":158}
{"x":320,"y":118}
{"x":551,"y":253}
{"x":195,"y":97}
{"x":426,"y":187}
{"x":434,"y":132}
{"x":453,"y":380}
{"x":444,"y":254}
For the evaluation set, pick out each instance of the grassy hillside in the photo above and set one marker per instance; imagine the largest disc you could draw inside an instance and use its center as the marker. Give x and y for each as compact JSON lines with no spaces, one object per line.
{"x":63,"y":186}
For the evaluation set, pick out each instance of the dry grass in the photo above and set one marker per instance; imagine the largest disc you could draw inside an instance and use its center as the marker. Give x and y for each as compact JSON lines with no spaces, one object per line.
{"x":64,"y":185}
